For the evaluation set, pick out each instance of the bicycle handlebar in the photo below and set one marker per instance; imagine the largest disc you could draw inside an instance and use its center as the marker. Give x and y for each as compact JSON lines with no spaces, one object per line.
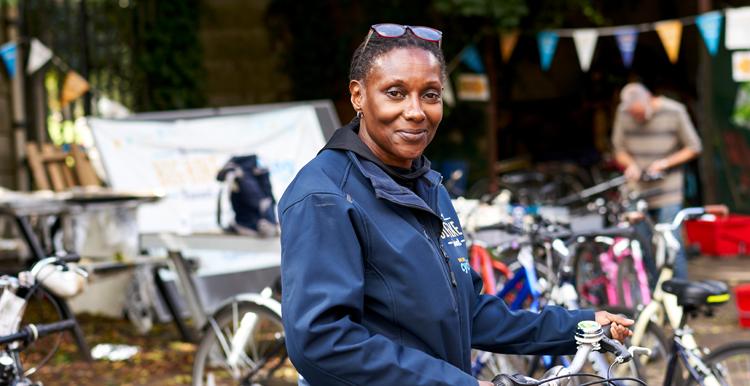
{"x":590,"y":336}
{"x":32,"y":332}
{"x":689,"y":213}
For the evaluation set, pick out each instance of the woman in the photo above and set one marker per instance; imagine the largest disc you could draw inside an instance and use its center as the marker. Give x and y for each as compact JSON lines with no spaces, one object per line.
{"x":377,"y":289}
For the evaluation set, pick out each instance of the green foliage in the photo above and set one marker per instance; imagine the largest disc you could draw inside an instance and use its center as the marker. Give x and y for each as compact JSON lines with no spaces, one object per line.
{"x":168,"y":57}
{"x":741,"y":116}
{"x":501,"y":13}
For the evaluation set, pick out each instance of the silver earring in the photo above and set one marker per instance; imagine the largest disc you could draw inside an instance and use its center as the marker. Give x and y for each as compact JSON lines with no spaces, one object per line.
{"x":359,"y":114}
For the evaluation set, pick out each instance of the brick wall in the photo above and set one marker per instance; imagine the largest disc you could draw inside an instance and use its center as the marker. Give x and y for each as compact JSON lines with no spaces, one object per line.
{"x":240,"y":67}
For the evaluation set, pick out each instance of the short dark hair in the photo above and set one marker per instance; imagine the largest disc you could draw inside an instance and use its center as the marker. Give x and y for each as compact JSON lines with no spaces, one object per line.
{"x":365,"y":55}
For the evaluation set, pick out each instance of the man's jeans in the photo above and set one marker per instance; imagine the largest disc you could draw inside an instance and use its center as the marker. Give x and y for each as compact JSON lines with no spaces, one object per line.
{"x":662,"y":215}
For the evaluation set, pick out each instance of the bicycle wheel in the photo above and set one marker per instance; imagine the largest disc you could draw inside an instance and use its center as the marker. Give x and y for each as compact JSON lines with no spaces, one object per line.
{"x":41,"y":308}
{"x":590,"y":279}
{"x":491,"y":364}
{"x":651,"y":368}
{"x":730,"y":364}
{"x":628,"y":285}
{"x":223,"y":357}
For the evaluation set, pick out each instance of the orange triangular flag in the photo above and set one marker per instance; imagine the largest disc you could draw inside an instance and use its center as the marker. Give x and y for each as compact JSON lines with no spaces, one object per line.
{"x":508,"y":40}
{"x":73,"y":87}
{"x":670,"y":32}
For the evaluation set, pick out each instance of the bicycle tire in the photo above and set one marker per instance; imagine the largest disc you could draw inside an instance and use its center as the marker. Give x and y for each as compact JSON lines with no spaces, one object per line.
{"x":628,"y":286}
{"x":587,"y":270}
{"x":41,"y":308}
{"x":265,"y":349}
{"x":730,"y":363}
{"x":651,"y":368}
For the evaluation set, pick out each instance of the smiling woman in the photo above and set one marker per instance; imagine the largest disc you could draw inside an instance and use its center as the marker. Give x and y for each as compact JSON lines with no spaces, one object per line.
{"x":400,"y":104}
{"x":375,"y":289}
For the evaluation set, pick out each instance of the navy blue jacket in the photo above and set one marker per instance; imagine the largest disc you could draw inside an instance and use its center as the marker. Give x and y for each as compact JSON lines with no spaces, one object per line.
{"x":377,"y":289}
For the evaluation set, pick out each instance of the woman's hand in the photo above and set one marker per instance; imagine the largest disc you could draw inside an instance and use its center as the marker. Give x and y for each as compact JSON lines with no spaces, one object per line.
{"x":619,"y":323}
{"x":485,"y":383}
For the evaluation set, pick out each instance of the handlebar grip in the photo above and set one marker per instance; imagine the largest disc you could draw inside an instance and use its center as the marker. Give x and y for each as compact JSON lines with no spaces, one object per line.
{"x":31,"y":332}
{"x":69,"y":258}
{"x":50,"y":328}
{"x":719,"y":210}
{"x":513,"y":380}
{"x":613,"y":346}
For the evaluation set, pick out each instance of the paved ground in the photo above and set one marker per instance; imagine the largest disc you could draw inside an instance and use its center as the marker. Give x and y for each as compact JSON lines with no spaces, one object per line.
{"x":724,"y":326}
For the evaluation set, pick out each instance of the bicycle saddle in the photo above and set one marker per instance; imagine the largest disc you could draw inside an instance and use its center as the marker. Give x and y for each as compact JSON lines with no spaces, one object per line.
{"x":694,"y":294}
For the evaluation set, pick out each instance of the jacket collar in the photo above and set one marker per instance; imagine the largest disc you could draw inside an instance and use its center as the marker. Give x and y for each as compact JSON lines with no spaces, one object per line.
{"x":386,"y":188}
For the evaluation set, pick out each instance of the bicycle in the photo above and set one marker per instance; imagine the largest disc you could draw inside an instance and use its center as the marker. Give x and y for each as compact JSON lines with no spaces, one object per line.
{"x":672,"y":302}
{"x":590,"y":337}
{"x":526,"y":289}
{"x":53,"y":274}
{"x":243,"y":343}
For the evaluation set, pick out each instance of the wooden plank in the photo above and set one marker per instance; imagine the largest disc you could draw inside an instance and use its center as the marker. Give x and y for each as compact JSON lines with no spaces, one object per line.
{"x":35,"y":160}
{"x":54,"y":169}
{"x":68,"y":177}
{"x":85,"y":172}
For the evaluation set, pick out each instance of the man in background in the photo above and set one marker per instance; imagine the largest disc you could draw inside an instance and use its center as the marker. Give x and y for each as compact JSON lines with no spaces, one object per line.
{"x":653,"y":135}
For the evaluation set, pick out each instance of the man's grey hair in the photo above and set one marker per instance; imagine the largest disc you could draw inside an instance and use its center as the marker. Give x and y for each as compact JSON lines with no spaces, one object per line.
{"x":634,"y":93}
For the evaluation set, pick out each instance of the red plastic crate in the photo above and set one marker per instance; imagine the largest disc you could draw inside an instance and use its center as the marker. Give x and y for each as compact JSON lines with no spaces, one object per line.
{"x":742,"y":295}
{"x":727,"y":236}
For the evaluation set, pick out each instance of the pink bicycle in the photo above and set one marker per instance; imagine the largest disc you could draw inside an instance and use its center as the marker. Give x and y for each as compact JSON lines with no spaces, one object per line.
{"x":610,"y":270}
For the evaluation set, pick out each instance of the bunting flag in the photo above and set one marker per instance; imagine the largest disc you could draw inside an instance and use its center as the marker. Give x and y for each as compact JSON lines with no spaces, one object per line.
{"x":8,"y":52}
{"x":670,"y":33}
{"x":508,"y":40}
{"x":73,"y":87}
{"x":741,"y":66}
{"x":547,"y":41}
{"x":627,"y":37}
{"x":709,"y":25}
{"x":473,"y":87}
{"x":737,"y":35}
{"x":471,"y":59}
{"x":585,"y":41}
{"x":39,"y":55}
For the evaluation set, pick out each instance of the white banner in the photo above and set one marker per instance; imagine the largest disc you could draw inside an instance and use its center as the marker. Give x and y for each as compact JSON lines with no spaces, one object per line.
{"x":39,"y":55}
{"x":181,"y":158}
{"x":737,"y":28}
{"x":585,"y":40}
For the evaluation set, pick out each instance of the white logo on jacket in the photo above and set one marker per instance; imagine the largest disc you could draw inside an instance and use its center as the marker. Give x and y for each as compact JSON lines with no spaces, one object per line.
{"x":451,"y":232}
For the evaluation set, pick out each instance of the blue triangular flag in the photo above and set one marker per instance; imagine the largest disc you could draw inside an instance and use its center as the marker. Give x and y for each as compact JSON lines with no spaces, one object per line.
{"x":627,"y":37}
{"x":8,"y":52}
{"x":710,"y":26}
{"x":471,"y":59}
{"x":547,"y":41}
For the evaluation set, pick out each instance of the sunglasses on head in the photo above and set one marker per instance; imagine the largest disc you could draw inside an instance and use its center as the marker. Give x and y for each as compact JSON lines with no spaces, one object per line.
{"x":388,"y":30}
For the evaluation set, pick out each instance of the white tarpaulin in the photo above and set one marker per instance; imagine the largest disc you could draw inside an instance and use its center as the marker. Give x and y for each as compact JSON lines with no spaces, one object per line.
{"x":181,"y":159}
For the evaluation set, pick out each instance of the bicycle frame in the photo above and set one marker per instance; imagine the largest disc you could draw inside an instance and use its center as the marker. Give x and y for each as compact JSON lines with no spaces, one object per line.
{"x":481,"y":261}
{"x":685,"y":350}
{"x":621,"y":248}
{"x":663,"y":305}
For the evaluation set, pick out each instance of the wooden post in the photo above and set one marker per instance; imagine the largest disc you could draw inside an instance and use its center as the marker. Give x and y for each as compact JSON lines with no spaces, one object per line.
{"x":490,"y":46}
{"x":705,"y":121}
{"x":13,"y":17}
